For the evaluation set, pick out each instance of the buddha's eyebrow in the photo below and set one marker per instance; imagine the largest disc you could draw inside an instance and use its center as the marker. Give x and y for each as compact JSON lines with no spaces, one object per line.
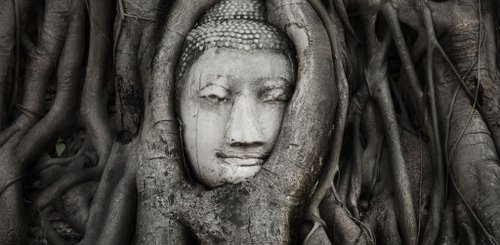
{"x":212,"y":81}
{"x":275,"y":82}
{"x":213,"y":84}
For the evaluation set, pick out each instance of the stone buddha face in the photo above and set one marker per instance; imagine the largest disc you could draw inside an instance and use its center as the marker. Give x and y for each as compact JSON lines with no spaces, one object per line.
{"x":231,"y":104}
{"x":235,"y":78}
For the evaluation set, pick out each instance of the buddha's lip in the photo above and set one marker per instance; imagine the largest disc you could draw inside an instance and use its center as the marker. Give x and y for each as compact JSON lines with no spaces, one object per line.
{"x":242,"y":159}
{"x":243,"y":162}
{"x":241,"y":155}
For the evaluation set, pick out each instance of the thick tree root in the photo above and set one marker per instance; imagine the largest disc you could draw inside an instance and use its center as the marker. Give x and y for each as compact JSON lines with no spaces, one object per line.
{"x":331,"y":167}
{"x":19,"y":151}
{"x":369,"y":187}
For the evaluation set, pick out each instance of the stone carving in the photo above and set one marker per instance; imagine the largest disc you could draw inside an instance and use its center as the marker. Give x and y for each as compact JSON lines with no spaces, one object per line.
{"x":239,"y":79}
{"x":249,"y":122}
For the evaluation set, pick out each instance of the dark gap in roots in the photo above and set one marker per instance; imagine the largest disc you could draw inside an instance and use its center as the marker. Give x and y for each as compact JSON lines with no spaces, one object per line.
{"x":380,"y":27}
{"x":32,"y":28}
{"x":190,"y":236}
{"x":364,"y":201}
{"x":348,"y":134}
{"x":394,"y":71}
{"x":400,"y":87}
{"x":480,"y":95}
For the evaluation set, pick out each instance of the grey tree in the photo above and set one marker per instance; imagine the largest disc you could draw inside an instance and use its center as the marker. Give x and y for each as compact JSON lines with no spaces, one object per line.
{"x":391,"y":135}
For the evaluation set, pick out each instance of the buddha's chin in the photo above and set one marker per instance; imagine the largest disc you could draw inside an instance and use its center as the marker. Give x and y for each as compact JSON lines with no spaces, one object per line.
{"x":232,"y":175}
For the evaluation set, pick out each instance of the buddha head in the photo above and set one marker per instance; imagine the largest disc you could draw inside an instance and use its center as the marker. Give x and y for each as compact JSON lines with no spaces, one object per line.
{"x":234,"y":80}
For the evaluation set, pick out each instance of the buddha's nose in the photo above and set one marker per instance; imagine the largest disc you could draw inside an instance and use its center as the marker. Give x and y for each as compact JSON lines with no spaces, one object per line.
{"x":243,"y":128}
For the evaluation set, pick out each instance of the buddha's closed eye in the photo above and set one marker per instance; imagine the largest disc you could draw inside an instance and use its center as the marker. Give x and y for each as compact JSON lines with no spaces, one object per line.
{"x":276,"y":95}
{"x":270,"y":91}
{"x":214,"y":94}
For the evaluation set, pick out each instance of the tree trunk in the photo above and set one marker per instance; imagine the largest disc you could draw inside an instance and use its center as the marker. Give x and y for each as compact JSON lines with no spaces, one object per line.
{"x":391,"y":135}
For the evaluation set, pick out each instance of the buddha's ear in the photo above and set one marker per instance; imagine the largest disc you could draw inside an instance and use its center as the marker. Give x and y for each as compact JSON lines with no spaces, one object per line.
{"x":309,"y":118}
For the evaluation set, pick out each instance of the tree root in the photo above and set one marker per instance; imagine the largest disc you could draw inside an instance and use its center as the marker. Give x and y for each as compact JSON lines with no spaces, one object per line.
{"x":173,"y":209}
{"x":431,"y":232}
{"x":429,"y":123}
{"x":50,"y":233}
{"x":357,"y":172}
{"x":448,"y":234}
{"x":93,"y":102}
{"x":118,"y":182}
{"x":8,"y":30}
{"x":75,"y":205}
{"x":341,"y":226}
{"x":65,"y":183}
{"x":331,"y":167}
{"x":377,"y":78}
{"x":50,"y":162}
{"x":19,"y":151}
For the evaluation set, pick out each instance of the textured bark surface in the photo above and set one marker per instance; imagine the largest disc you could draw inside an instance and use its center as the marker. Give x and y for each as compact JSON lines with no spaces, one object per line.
{"x":392,"y":134}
